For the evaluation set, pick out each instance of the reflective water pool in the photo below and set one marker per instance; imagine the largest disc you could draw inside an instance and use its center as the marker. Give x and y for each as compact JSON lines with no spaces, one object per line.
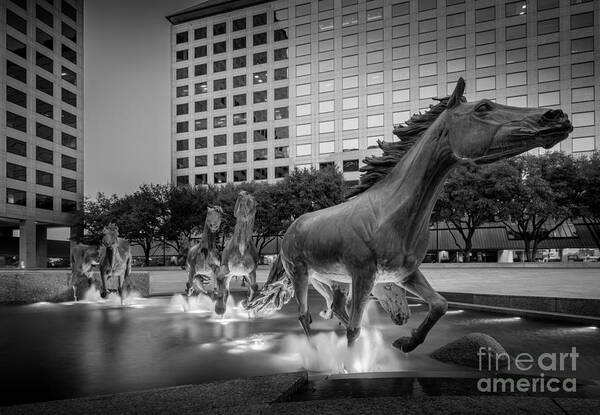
{"x":54,"y":351}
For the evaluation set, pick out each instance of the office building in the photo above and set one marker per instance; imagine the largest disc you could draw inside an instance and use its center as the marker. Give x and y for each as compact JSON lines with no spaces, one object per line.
{"x":261,"y":87}
{"x":41,"y":146}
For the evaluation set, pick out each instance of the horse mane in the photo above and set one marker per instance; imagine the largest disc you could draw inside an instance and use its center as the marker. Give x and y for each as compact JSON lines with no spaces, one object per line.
{"x":377,"y":167}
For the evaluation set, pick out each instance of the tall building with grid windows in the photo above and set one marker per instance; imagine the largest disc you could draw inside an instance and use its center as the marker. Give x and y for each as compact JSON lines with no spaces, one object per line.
{"x":41,"y":147}
{"x":261,"y":87}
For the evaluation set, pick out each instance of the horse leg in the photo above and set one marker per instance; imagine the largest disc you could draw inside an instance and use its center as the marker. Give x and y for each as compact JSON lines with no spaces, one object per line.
{"x":252,"y":286}
{"x":393,"y":300}
{"x":418,"y":285}
{"x":103,"y":281}
{"x":120,"y":289}
{"x":340,"y":300}
{"x":327,"y":293}
{"x":299,"y":276}
{"x":362,"y":285}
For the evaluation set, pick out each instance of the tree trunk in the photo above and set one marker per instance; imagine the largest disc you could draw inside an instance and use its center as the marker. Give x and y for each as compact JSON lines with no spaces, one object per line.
{"x":146,"y":255}
{"x":527,"y":250}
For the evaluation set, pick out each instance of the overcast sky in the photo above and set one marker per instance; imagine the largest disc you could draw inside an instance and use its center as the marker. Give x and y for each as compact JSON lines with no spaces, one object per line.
{"x":127,"y":93}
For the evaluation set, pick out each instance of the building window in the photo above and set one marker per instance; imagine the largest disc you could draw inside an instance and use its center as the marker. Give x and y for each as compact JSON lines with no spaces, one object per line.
{"x":549,"y":74}
{"x":281,"y":171}
{"x":182,"y":145}
{"x":220,"y":121}
{"x":280,"y":54}
{"x":44,"y":202}
{"x":375,"y":36}
{"x":350,"y":144}
{"x":260,"y":154}
{"x":373,"y":78}
{"x":259,"y":39}
{"x":182,"y":109}
{"x":200,"y":142}
{"x":239,"y":62}
{"x":326,"y":65}
{"x":44,"y":62}
{"x":325,"y":25}
{"x":401,"y":95}
{"x":548,"y":50}
{"x":547,"y":4}
{"x":303,"y":70}
{"x":260,"y":116}
{"x":401,"y":74}
{"x":181,"y":55}
{"x":259,"y":58}
{"x":259,"y":97}
{"x":455,"y":20}
{"x":44,"y":178}
{"x":44,"y":38}
{"x":260,"y":174}
{"x":349,"y":19}
{"x":582,"y":20}
{"x":239,"y":176}
{"x":516,"y":32}
{"x":326,"y":127}
{"x":220,"y":140}
{"x":183,"y":180}
{"x":201,"y":179}
{"x":219,"y":47}
{"x":43,"y":85}
{"x":372,"y":141}
{"x":426,"y":48}
{"x":181,"y":73}
{"x":200,"y":33}
{"x":282,"y":152}
{"x":69,"y":97}
{"x":15,"y":121}
{"x":375,"y":120}
{"x":181,"y":37}
{"x":16,"y":71}
{"x":485,"y":14}
{"x":68,"y":10}
{"x":219,"y":66}
{"x":183,"y":163}
{"x":44,"y":108}
{"x":517,"y":101}
{"x":428,"y":69}
{"x":68,"y":140}
{"x":516,"y":8}
{"x":516,"y":79}
{"x":428,"y":91}
{"x":516,"y":55}
{"x":350,"y":165}
{"x":280,"y":74}
{"x":583,"y":119}
{"x":200,"y":124}
{"x":583,"y":144}
{"x":326,"y":106}
{"x":239,"y":43}
{"x":239,"y":137}
{"x":182,"y":127}
{"x":15,"y":146}
{"x":350,"y":124}
{"x":456,"y":42}
{"x":582,"y":94}
{"x":16,"y":172}
{"x":199,"y":52}
{"x":259,"y":19}
{"x":16,"y":47}
{"x":485,"y":37}
{"x":200,"y":106}
{"x":220,"y":158}
{"x":239,"y":118}
{"x":548,"y":26}
{"x":259,"y":77}
{"x":548,"y":98}
{"x":279,"y":35}
{"x":220,"y":84}
{"x":484,"y":61}
{"x":584,"y":44}
{"x":239,"y":24}
{"x":303,"y":150}
{"x":280,"y":15}
{"x":303,"y":89}
{"x":239,"y":81}
{"x":375,"y":57}
{"x":374,"y":14}
{"x":16,"y":97}
{"x":239,"y":100}
{"x":303,"y":110}
{"x":260,"y":135}
{"x":44,"y":155}
{"x":282,"y":132}
{"x":303,"y":49}
{"x":68,"y":206}
{"x":303,"y":129}
{"x":579,"y":70}
{"x":401,"y":9}
{"x":486,"y":83}
{"x":374,"y":99}
{"x":240,"y":156}
{"x":281,"y":93}
{"x":455,"y":65}
{"x":349,"y":103}
{"x":44,"y":15}
{"x":326,"y":147}
{"x":181,"y":91}
{"x":219,"y":29}
{"x":16,"y":197}
{"x":219,"y":103}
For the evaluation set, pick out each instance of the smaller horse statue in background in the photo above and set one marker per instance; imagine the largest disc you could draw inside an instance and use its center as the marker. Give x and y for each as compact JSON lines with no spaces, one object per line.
{"x":240,"y":256}
{"x":115,"y":260}
{"x":83,"y":258}
{"x":203,"y":259}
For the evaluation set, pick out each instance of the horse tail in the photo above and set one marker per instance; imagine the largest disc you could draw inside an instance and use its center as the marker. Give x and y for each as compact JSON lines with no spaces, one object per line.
{"x":276,"y":292}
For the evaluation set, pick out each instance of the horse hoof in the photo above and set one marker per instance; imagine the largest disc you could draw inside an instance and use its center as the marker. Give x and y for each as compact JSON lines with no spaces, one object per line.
{"x":405,"y":344}
{"x":326,"y":314}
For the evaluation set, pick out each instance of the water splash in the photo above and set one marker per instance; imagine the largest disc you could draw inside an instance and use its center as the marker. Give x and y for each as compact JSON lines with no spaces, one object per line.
{"x":255,"y":343}
{"x":200,"y":304}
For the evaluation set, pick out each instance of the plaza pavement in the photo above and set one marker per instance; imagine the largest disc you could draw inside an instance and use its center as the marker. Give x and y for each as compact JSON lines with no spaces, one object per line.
{"x":552,"y":280}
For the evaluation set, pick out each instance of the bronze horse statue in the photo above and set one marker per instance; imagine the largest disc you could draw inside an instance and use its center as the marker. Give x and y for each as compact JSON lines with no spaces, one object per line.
{"x":240,"y":256}
{"x":115,"y":260}
{"x":380,"y":235}
{"x":203,"y":259}
{"x":83,"y":258}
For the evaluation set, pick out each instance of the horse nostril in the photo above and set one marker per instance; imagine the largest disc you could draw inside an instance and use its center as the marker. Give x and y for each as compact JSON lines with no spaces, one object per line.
{"x":553,"y":115}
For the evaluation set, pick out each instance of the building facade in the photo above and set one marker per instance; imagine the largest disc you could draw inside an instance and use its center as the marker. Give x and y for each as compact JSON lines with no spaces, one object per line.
{"x":41,"y":122}
{"x":259,"y":88}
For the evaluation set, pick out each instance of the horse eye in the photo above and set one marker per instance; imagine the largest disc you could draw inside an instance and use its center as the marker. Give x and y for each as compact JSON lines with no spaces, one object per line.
{"x":483,"y":107}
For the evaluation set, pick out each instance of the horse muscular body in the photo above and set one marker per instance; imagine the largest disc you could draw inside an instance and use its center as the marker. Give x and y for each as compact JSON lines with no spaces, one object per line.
{"x":83,"y":259}
{"x":115,"y":260}
{"x":376,"y":241}
{"x":203,"y":259}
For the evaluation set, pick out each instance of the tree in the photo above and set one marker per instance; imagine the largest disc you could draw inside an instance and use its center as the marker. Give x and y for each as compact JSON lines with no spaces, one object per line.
{"x":589,"y":195}
{"x":97,"y":213}
{"x":465,"y":204}
{"x":141,"y":216}
{"x":535,"y":196}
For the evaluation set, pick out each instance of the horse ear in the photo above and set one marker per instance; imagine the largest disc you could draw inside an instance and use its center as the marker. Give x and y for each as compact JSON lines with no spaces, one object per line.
{"x":457,"y":95}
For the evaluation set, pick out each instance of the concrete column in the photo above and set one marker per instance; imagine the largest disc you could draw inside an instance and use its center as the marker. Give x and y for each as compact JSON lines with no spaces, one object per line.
{"x":41,"y":246}
{"x":27,"y":244}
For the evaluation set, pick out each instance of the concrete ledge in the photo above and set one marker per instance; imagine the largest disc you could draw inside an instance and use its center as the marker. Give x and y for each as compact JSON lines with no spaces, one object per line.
{"x":32,"y":286}
{"x":587,"y":307}
{"x":238,"y":396}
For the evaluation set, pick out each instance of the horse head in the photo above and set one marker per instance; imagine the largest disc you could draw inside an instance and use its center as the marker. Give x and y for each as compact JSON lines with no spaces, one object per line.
{"x":245,"y":206}
{"x":111,"y":235}
{"x":214,"y":214}
{"x":485,"y":131}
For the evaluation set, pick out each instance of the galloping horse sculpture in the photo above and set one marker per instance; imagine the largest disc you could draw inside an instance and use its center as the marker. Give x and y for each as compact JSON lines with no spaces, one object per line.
{"x":83,"y":258}
{"x":203,"y":259}
{"x":115,"y":260}
{"x":240,"y":256}
{"x":380,"y":236}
